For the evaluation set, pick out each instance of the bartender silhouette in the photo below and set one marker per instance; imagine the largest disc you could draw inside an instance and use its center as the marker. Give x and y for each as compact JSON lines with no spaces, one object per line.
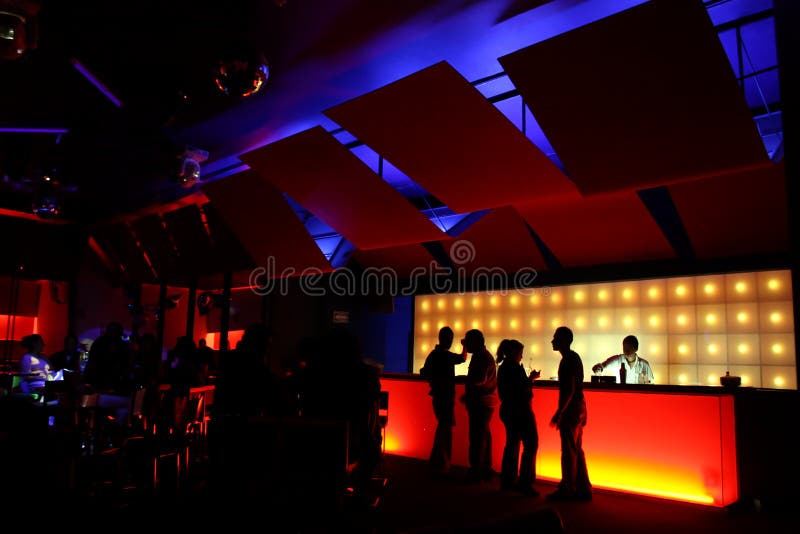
{"x":634,"y":368}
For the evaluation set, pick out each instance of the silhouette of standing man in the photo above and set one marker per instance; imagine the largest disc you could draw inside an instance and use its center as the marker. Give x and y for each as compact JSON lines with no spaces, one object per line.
{"x":439,"y":370}
{"x":480,"y":398}
{"x":570,"y":418}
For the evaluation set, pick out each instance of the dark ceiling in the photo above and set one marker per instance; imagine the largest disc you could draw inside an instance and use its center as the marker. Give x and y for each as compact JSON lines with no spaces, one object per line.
{"x":157,"y":58}
{"x":115,"y":155}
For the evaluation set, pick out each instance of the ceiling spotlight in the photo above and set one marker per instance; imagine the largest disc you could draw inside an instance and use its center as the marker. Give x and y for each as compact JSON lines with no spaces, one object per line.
{"x":241,"y":76}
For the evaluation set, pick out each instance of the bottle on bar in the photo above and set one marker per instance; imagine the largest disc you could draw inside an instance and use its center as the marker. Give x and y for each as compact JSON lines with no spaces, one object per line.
{"x":622,"y":372}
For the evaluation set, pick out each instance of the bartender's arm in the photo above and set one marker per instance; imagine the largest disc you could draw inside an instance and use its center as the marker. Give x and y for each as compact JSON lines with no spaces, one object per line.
{"x":612,"y":362}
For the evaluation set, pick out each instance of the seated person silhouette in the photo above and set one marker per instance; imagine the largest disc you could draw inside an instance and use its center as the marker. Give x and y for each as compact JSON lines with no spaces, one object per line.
{"x":34,"y":366}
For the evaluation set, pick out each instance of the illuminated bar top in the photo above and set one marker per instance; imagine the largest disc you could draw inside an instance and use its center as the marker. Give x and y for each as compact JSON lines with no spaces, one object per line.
{"x":672,"y":442}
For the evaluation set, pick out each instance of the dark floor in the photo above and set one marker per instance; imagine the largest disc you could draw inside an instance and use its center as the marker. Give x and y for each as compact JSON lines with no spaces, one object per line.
{"x":416,"y":503}
{"x":412,"y":502}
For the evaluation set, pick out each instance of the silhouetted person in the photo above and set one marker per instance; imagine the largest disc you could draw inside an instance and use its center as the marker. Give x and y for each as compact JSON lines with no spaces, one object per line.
{"x":69,"y":357}
{"x":637,"y":369}
{"x":514,"y":390}
{"x":34,"y":366}
{"x":480,"y":398}
{"x":439,"y":370}
{"x":182,"y":370}
{"x":206,"y":359}
{"x":110,"y":372}
{"x":339,"y":384}
{"x":149,"y":372}
{"x":246,"y":386}
{"x":246,"y":389}
{"x":570,"y":418}
{"x":110,"y":361}
{"x":148,"y":367}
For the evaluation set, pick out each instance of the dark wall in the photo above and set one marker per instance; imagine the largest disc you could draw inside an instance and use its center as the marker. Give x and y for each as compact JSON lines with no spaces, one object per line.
{"x":382,"y":325}
{"x":769,"y":466}
{"x":38,"y":250}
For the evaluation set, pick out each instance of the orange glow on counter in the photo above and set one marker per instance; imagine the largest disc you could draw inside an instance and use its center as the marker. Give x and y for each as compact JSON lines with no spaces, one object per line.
{"x":666,"y":444}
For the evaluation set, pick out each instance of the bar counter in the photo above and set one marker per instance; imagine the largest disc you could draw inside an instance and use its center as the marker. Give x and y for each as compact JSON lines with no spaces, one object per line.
{"x":666,"y":441}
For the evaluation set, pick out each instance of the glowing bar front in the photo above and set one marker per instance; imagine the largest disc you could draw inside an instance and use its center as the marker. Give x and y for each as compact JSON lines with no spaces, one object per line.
{"x":662,"y":441}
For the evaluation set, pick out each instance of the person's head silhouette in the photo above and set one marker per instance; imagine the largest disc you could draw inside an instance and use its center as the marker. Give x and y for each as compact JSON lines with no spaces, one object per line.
{"x":473,"y":340}
{"x":510,"y":348}
{"x":562,"y":338}
{"x":630,"y":345}
{"x":446,"y":337}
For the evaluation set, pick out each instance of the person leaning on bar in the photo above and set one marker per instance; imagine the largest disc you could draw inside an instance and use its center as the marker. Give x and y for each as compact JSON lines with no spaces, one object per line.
{"x":637,"y":369}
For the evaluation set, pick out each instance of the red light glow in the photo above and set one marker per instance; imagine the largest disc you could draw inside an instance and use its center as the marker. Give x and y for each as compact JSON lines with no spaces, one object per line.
{"x":234,"y":336}
{"x":663,"y":444}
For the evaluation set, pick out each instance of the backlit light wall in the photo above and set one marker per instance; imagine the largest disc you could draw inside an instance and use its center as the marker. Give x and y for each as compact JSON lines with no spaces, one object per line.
{"x":691,"y":329}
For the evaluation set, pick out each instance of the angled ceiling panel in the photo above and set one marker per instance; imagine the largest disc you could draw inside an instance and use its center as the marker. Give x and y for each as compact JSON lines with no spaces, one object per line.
{"x":440,"y":131}
{"x":601,"y":229}
{"x":117,"y":240}
{"x":323,"y":176}
{"x":191,"y":240}
{"x":499,"y":240}
{"x":645,"y":97}
{"x":402,"y":259}
{"x":738,"y":214}
{"x":265,"y":224}
{"x":230,"y":254}
{"x":155,"y":241}
{"x":226,"y":248}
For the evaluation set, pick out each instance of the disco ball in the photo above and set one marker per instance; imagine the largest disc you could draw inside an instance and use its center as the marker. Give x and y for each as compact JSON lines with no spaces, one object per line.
{"x":241,"y":77}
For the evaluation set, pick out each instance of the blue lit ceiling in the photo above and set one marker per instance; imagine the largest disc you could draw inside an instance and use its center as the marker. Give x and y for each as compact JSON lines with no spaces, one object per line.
{"x":321,"y":53}
{"x":470,"y":36}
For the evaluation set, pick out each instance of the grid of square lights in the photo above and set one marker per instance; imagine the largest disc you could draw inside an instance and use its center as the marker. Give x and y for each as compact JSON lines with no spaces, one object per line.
{"x":691,"y":329}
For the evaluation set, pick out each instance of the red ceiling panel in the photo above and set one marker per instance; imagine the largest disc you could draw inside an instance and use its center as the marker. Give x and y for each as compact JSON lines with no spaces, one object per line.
{"x":402,"y":259}
{"x":601,"y":229}
{"x":499,"y":240}
{"x":738,"y":214}
{"x":265,"y":224}
{"x":323,"y":176}
{"x":645,"y":97}
{"x":229,"y":254}
{"x":440,"y":131}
